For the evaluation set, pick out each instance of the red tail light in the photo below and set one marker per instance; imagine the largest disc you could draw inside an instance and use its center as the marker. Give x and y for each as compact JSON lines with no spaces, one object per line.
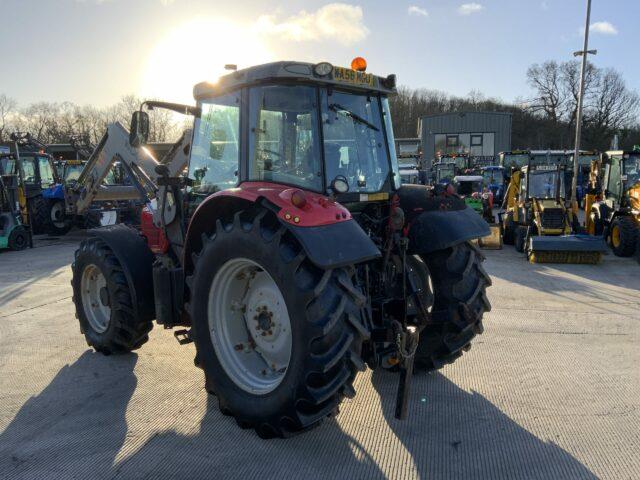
{"x":299,"y":199}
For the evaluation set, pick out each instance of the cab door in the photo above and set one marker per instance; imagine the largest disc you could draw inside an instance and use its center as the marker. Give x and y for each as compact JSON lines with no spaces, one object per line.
{"x":613,"y":182}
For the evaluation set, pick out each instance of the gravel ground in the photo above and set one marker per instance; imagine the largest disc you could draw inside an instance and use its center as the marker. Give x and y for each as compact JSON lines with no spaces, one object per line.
{"x":550,"y":390}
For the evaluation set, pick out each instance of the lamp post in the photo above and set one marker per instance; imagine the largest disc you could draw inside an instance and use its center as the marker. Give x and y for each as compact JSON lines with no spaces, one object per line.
{"x":584,"y":52}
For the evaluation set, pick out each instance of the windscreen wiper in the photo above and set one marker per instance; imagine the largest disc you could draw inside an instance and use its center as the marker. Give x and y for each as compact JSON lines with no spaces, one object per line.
{"x":339,"y":108}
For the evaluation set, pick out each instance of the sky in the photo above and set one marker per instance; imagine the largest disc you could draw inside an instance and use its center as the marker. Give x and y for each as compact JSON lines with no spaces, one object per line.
{"x":96,"y":51}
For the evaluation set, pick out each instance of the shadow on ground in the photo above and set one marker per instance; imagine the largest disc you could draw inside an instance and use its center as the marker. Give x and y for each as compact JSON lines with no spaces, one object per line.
{"x":77,"y":426}
{"x":600,"y":283}
{"x":19,"y":271}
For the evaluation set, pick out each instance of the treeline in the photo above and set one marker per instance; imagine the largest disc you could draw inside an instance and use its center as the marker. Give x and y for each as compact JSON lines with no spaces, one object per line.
{"x":545,"y":119}
{"x":59,"y":122}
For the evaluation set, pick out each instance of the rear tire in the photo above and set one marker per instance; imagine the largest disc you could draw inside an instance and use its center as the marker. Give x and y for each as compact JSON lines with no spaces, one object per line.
{"x":57,"y":221}
{"x":104,"y":301}
{"x":18,"y":238}
{"x":508,"y":235}
{"x":460,"y":301}
{"x":39,"y":212}
{"x":521,"y":238}
{"x":623,"y":236}
{"x":326,"y":333}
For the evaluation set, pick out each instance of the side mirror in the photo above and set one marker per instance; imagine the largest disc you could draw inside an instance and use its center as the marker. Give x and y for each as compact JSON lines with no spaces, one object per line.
{"x":139,"y":132}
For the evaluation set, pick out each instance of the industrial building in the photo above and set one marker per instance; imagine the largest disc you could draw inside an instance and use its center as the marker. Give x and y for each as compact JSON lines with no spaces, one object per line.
{"x":479,"y":134}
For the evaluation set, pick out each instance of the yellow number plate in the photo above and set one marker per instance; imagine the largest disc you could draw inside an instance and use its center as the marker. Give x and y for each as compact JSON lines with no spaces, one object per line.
{"x":347,"y":75}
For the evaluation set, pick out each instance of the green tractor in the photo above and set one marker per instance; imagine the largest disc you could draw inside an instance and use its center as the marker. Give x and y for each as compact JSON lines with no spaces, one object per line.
{"x":471,"y":188}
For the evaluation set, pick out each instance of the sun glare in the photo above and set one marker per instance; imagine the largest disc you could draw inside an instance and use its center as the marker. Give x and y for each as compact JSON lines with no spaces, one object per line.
{"x":197,"y":51}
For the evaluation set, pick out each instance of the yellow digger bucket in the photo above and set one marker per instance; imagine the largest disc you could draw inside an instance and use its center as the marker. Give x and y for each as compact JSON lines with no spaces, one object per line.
{"x":493,"y":241}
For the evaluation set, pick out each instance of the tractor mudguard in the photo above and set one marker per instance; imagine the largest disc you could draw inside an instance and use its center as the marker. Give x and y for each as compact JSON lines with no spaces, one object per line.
{"x":330,"y":237}
{"x":336,"y":245}
{"x":136,"y":260}
{"x":438,"y":222}
{"x":54,"y":193}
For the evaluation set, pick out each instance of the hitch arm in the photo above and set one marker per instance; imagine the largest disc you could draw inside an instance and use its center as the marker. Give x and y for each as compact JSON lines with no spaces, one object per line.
{"x":407,"y":343}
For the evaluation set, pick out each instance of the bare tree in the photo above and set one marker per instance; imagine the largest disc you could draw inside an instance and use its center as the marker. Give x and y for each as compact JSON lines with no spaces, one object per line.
{"x":8,"y":108}
{"x":546,"y":81}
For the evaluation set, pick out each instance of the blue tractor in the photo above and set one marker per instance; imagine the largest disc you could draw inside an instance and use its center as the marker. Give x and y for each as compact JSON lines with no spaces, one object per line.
{"x":493,"y":178}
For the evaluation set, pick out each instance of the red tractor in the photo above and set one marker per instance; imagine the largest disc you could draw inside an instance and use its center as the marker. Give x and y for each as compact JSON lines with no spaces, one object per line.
{"x":279,"y":238}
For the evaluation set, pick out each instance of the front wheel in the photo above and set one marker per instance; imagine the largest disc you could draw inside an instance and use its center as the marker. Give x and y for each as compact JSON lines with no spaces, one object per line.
{"x":623,"y":235}
{"x":104,"y":301}
{"x":460,"y":301}
{"x":278,"y":338}
{"x":18,"y":238}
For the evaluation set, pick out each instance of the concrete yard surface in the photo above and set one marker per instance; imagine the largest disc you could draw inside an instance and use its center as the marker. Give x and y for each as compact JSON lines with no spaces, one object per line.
{"x":551,"y":390}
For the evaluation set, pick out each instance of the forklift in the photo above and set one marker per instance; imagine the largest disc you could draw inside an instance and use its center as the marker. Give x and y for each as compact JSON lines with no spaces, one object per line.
{"x":13,"y":234}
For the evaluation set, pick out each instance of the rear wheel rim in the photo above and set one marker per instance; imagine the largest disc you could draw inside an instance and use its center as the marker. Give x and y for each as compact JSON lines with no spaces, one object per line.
{"x":249,"y":326}
{"x":57,"y":215}
{"x":95,"y":298}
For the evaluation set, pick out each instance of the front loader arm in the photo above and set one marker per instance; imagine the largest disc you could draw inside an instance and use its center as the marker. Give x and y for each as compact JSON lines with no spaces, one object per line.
{"x":139,"y":163}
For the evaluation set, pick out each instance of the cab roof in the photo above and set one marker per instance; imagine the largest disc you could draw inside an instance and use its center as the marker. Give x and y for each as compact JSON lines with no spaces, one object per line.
{"x":622,"y":152}
{"x":295,"y":71}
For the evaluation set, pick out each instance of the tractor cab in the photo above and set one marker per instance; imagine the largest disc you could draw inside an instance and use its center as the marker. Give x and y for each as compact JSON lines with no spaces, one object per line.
{"x":70,"y":170}
{"x":321,"y":129}
{"x":409,"y":154}
{"x":461,"y":161}
{"x":515,"y":159}
{"x":493,"y":179}
{"x":541,"y":200}
{"x":622,"y":179}
{"x":444,"y":173}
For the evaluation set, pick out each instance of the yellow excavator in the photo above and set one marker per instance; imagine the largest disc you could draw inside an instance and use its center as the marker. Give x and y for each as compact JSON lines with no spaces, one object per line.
{"x":612,"y":204}
{"x":538,"y":221}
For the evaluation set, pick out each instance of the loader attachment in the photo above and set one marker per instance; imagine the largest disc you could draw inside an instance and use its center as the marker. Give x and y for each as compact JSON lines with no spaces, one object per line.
{"x":493,"y":241}
{"x":576,"y":249}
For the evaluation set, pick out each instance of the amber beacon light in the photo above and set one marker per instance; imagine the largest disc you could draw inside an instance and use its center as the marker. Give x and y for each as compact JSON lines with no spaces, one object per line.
{"x":359,"y":64}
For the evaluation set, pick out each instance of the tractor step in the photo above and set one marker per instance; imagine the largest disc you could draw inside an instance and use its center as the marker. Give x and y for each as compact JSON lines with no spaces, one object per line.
{"x":183,"y":336}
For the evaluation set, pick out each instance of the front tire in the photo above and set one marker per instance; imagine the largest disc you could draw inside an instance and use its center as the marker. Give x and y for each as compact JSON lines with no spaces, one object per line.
{"x":18,"y":238}
{"x":103,"y":301}
{"x":623,"y":235}
{"x":322,"y":323}
{"x":460,"y":301}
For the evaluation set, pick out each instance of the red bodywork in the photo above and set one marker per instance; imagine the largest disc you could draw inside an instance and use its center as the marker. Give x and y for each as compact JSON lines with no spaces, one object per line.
{"x":156,"y":238}
{"x":317,"y":210}
{"x":312,"y":210}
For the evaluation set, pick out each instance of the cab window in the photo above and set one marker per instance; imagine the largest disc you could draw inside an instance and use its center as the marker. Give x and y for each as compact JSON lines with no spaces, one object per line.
{"x":354,"y":142}
{"x":215,"y":154}
{"x":614,"y":185}
{"x":283,"y":136}
{"x":46,"y":171}
{"x":29,"y":169}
